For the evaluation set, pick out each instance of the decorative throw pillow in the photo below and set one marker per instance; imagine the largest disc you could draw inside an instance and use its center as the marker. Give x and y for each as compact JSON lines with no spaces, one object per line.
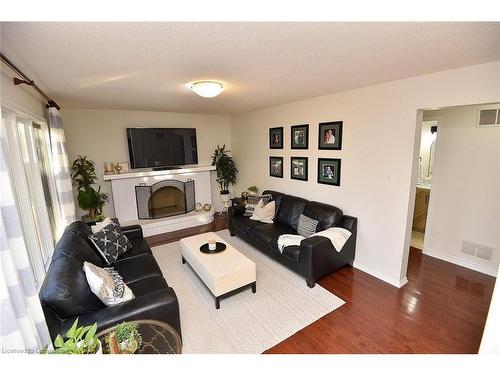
{"x":264,"y":212}
{"x":98,"y":226}
{"x":110,"y":242}
{"x":307,"y":226}
{"x":252,"y":201}
{"x":297,"y":210}
{"x":107,"y":284}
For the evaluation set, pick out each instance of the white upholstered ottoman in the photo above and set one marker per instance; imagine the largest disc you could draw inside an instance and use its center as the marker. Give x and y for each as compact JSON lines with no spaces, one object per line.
{"x":223,"y":273}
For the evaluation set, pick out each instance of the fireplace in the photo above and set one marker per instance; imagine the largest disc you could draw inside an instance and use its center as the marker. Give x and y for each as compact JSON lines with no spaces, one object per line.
{"x":165,"y":198}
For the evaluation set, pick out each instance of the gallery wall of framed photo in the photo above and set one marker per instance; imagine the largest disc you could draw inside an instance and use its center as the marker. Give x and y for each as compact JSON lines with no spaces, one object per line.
{"x":328,"y":168}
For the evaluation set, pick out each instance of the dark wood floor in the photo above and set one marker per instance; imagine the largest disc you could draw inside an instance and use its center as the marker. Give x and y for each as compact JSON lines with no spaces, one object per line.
{"x":442,"y":309}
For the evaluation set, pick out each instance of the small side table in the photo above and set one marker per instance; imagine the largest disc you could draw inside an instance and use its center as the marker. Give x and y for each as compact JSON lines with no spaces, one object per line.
{"x":220,"y":221}
{"x":157,"y":338}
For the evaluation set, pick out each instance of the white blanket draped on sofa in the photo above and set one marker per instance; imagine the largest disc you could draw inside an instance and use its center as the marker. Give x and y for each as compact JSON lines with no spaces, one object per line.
{"x":337,"y":236}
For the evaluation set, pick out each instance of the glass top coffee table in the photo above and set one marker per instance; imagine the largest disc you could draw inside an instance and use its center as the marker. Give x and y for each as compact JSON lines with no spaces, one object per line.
{"x":157,"y":338}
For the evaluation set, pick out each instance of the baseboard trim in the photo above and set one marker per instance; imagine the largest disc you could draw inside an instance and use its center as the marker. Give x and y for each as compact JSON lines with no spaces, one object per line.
{"x":461,"y":262}
{"x":378,"y":275}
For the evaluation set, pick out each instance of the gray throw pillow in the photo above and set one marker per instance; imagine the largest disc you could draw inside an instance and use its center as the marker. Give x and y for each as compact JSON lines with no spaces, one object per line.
{"x":307,"y":226}
{"x":110,"y":242}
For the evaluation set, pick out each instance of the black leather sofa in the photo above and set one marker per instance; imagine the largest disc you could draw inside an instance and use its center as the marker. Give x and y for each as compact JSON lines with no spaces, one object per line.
{"x":65,"y":294}
{"x":315,"y":257}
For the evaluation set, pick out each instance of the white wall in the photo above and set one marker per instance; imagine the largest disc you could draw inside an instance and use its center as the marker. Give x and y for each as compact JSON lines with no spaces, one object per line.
{"x":101,"y":135}
{"x":379,"y":155}
{"x":20,"y":98}
{"x":465,"y":201}
{"x":490,"y":344}
{"x":426,"y":140}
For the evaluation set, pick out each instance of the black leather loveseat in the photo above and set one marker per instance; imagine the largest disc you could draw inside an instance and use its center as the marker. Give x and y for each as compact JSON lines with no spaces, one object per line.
{"x":65,"y":294}
{"x":316,"y":256}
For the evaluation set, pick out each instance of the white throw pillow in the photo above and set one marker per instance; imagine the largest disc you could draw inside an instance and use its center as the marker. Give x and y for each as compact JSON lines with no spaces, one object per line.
{"x":98,"y":226}
{"x":264,"y":212}
{"x":107,"y":285}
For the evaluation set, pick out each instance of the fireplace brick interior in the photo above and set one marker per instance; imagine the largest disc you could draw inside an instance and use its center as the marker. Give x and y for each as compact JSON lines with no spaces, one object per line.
{"x":167,"y":201}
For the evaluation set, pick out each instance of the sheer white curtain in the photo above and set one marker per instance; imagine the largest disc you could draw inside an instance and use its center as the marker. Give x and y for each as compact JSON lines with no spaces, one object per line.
{"x":22,"y":323}
{"x":64,"y":210}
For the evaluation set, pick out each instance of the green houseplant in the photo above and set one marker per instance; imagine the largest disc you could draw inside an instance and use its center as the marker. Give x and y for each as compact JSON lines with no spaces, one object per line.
{"x":127,"y":337}
{"x":84,"y":176}
{"x":226,"y":171}
{"x":78,"y":340}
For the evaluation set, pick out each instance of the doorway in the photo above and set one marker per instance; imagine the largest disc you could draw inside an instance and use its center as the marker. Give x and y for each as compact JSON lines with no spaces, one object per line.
{"x":428,"y":144}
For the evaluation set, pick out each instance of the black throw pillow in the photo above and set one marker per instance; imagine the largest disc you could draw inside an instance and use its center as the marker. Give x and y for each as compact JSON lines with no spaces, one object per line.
{"x":110,"y":242}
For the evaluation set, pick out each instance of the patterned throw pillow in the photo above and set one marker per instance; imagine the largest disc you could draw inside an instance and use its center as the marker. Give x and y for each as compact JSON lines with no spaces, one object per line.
{"x":307,"y":226}
{"x":253,"y":200}
{"x":107,"y":284}
{"x":110,"y":242}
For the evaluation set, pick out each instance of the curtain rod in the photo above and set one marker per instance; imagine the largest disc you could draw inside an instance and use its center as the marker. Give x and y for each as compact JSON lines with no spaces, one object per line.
{"x":27,"y":81}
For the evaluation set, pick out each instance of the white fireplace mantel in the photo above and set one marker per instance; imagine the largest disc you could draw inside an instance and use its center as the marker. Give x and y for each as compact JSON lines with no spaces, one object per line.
{"x":124,"y":199}
{"x":162,"y":174}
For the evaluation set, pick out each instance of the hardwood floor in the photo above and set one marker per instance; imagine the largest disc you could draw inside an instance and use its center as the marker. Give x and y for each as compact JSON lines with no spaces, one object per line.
{"x":442,"y":309}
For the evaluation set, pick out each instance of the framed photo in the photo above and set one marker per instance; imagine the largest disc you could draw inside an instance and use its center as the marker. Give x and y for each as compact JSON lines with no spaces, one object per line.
{"x":276,"y":166}
{"x":276,"y":137}
{"x":330,"y":135}
{"x":300,"y":137}
{"x":298,"y":168}
{"x":329,"y":171}
{"x":124,"y":167}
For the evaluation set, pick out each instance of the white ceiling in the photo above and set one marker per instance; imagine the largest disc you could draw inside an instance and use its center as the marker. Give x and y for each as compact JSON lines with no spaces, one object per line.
{"x":146,"y":66}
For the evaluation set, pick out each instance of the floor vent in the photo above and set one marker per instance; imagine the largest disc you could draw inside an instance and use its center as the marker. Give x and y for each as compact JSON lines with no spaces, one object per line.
{"x":477,"y":250}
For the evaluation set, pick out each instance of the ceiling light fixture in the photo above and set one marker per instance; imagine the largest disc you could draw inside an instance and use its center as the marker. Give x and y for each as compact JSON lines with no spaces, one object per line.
{"x":207,"y":89}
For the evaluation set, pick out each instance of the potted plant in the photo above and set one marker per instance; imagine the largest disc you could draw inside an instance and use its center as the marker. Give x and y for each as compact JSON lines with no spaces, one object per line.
{"x":78,"y":340}
{"x":84,"y":176}
{"x":226,"y":171}
{"x":125,"y":338}
{"x":253,"y":189}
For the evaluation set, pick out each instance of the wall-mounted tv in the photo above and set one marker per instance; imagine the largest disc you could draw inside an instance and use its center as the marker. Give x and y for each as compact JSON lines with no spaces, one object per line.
{"x":161,"y":147}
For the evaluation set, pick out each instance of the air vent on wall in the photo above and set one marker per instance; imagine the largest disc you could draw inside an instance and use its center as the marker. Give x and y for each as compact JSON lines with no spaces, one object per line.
{"x":477,"y":250}
{"x":488,"y":116}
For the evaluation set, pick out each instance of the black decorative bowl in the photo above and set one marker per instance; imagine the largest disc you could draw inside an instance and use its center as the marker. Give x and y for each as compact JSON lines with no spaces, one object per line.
{"x":219,"y":247}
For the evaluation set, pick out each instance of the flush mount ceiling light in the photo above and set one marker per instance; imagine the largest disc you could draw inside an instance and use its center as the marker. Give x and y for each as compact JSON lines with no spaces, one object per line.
{"x":207,"y":89}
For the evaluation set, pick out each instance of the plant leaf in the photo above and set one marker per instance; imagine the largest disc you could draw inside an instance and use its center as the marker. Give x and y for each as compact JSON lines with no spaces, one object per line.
{"x":92,"y":331}
{"x":58,"y":342}
{"x":71,"y":334}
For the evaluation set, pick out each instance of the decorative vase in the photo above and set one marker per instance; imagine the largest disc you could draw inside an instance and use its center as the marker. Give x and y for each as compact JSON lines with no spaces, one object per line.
{"x":198,"y":207}
{"x":244,"y":197}
{"x":225,"y":198}
{"x":207,"y":207}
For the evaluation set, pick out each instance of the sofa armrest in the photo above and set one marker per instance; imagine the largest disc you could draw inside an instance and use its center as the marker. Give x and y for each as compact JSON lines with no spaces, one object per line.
{"x":318,"y":257}
{"x":159,"y":305}
{"x":132,"y":231}
{"x":234,"y":211}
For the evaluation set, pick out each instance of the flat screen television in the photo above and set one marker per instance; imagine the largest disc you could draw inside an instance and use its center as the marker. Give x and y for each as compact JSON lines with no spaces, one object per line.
{"x":161,"y":147}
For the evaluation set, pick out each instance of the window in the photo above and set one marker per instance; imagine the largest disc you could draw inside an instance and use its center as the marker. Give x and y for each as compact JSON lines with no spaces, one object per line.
{"x":33,"y":186}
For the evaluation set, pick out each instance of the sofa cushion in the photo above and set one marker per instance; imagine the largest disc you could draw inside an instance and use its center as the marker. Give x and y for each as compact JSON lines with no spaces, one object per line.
{"x":147,"y":285}
{"x":139,"y":247}
{"x":292,"y":253}
{"x":244,"y":224}
{"x":289,"y":211}
{"x":137,"y":268}
{"x":268,"y":234}
{"x":65,"y":288}
{"x":327,"y":215}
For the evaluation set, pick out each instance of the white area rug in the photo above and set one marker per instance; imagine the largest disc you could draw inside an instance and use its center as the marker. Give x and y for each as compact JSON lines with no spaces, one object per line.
{"x":245,"y":322}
